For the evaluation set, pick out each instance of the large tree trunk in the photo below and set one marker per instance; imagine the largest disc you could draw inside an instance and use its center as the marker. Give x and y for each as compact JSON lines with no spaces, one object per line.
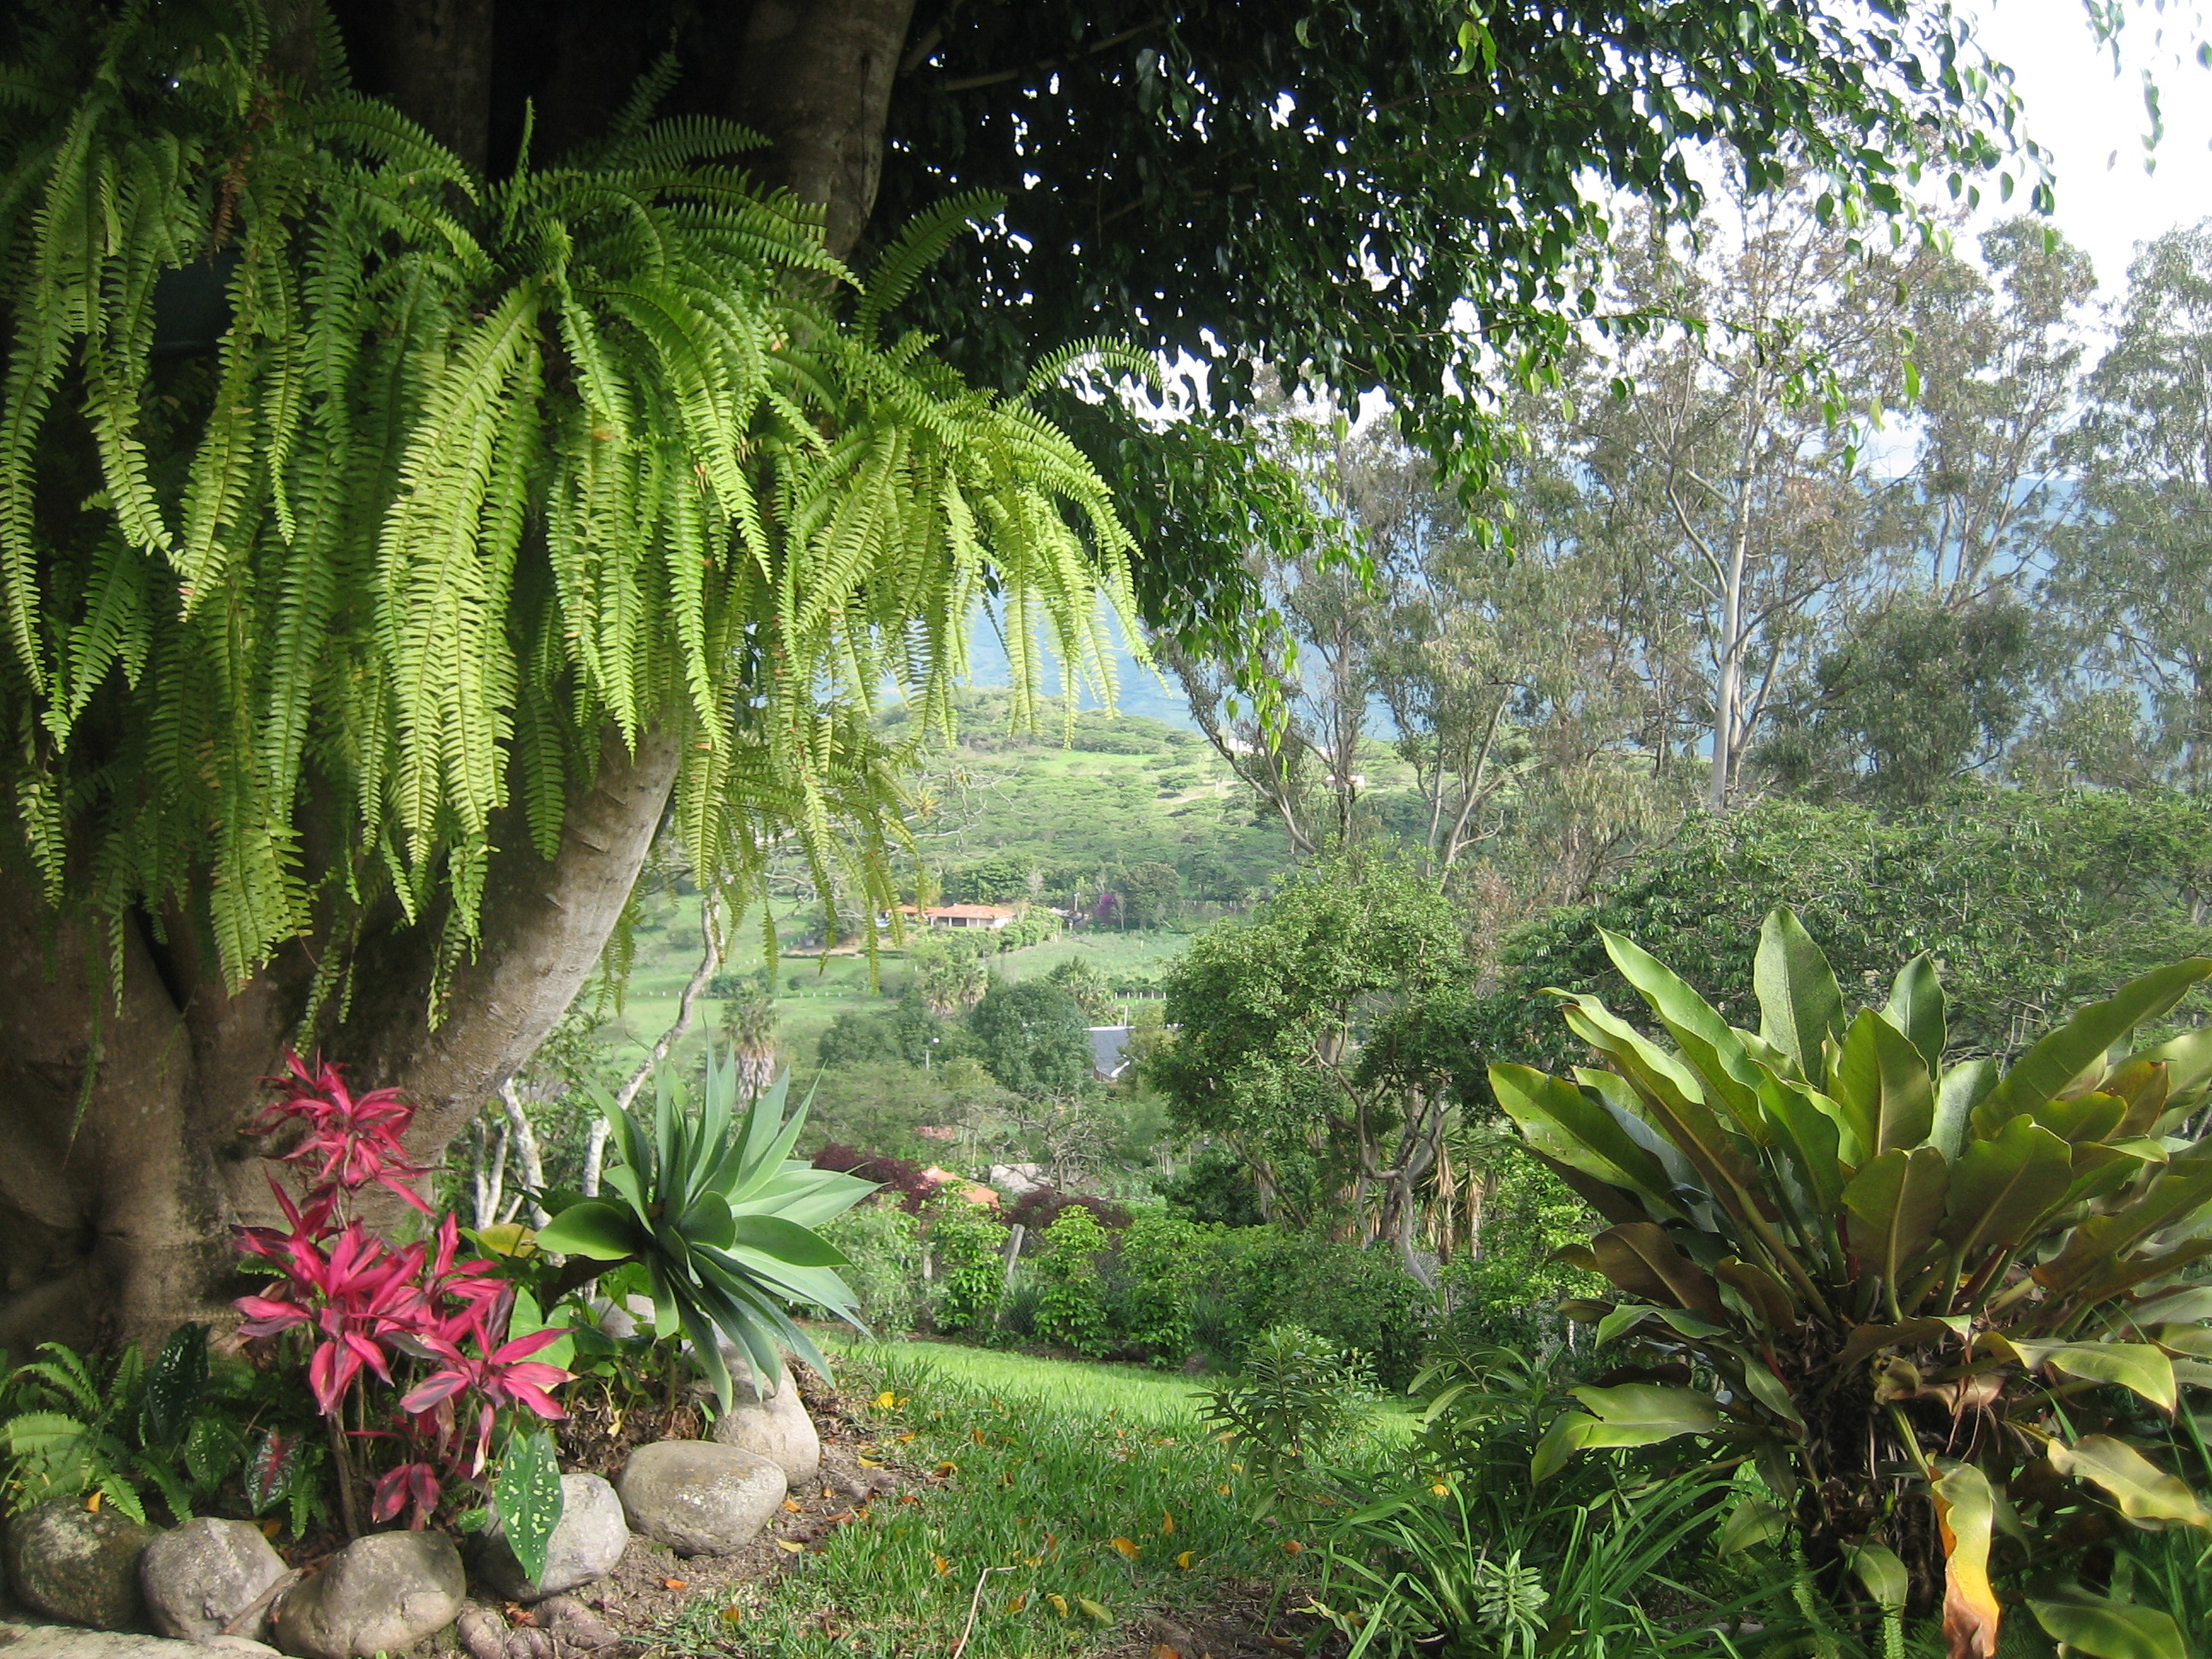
{"x":123,"y":1100}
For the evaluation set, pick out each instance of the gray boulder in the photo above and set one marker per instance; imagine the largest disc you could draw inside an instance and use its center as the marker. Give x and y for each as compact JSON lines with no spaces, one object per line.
{"x":379,"y":1594}
{"x":698,"y":1497}
{"x":589,"y":1540}
{"x":203,"y":1576}
{"x":78,"y":1565}
{"x":771,"y":1424}
{"x":54,"y":1642}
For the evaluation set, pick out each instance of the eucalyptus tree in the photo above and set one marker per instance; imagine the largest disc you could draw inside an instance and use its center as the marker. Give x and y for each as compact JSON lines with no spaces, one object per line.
{"x":2135,"y":566}
{"x":519,"y":467}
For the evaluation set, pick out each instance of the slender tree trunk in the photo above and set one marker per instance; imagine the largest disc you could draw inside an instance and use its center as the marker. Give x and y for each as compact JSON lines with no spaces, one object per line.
{"x":125,"y":1098}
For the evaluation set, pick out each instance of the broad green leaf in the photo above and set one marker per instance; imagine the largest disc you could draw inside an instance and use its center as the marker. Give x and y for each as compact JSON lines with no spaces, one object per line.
{"x":1896,"y":1203}
{"x":1964,"y":1086}
{"x":1882,"y":1079}
{"x":1699,"y":1030}
{"x":2082,"y":1117}
{"x":1800,"y":1006}
{"x":709,"y":1221}
{"x":1650,"y":1408}
{"x":2063,"y":1056}
{"x":1916,"y":1008}
{"x":1882,"y":1573}
{"x":1771,"y":1392}
{"x":2103,"y":1240}
{"x":1642,"y":1259}
{"x":2143,"y":1490}
{"x":2188,"y":1062}
{"x":1812,"y":1130}
{"x":1769,"y":1305}
{"x":2137,"y":1366}
{"x":527,"y":1319}
{"x":2111,"y":1629}
{"x":596,"y":1229}
{"x":1751,"y":1522}
{"x":1965,"y":1510}
{"x":2000,"y":1187}
{"x":1559,"y":1121}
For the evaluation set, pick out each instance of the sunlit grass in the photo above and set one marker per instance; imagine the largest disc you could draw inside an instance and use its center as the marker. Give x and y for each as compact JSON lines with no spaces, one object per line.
{"x":1082,"y":1497}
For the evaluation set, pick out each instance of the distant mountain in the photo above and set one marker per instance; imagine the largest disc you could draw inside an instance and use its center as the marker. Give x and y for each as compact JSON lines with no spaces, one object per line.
{"x":1142,"y":691}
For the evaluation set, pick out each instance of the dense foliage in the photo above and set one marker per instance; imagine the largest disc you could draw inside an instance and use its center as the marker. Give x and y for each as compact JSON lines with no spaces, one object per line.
{"x":1947,"y":1312}
{"x":475,"y":470}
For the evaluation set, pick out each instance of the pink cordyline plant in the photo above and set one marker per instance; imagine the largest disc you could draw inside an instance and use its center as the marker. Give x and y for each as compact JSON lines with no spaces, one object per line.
{"x":369,"y":1302}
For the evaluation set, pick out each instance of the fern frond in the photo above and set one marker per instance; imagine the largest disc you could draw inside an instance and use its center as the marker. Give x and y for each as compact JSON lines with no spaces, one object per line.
{"x":919,"y":245}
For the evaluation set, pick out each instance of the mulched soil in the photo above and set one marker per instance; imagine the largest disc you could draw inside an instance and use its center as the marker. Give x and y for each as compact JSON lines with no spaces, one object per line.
{"x":1248,"y":1621}
{"x":653,"y":1584}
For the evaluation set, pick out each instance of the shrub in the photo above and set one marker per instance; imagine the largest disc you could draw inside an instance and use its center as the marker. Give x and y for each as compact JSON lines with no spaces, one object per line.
{"x":1215,"y":1186}
{"x":1071,"y":1306}
{"x":1949,"y":1313}
{"x":1036,"y":1209}
{"x":1352,"y":1297}
{"x":1295,"y":1396}
{"x":882,"y":1245}
{"x":1157,"y":1265}
{"x":966,"y":1246}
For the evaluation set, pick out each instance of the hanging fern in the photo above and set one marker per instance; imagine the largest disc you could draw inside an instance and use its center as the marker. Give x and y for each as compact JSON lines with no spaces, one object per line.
{"x":478,"y":470}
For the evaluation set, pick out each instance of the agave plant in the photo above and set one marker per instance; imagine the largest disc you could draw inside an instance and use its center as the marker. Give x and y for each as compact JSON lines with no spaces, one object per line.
{"x":1947,"y":1312}
{"x":722,"y":1218}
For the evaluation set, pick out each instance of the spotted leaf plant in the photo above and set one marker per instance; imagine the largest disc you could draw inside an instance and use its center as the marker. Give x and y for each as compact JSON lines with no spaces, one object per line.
{"x":1948,"y":1312}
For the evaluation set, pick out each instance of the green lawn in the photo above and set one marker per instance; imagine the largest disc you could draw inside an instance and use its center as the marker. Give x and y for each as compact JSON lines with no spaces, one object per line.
{"x":1082,"y":1497}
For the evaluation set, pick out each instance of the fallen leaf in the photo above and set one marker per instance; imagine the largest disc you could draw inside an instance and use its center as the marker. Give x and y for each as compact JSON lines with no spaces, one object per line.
{"x":1167,"y":1522}
{"x":903,"y":1438}
{"x":827,"y":1494}
{"x":1128,"y":1547}
{"x":887,"y":1400}
{"x":1103,"y":1614}
{"x":92,"y":1503}
{"x":791,"y":1547}
{"x":975,"y":1435}
{"x":867,"y":1462}
{"x":676,"y":1584}
{"x":908,"y":1497}
{"x":1017,"y":1603}
{"x":732,"y":1615}
{"x":947,"y":1468}
{"x":1291,"y":1547}
{"x":1282,"y":1646}
{"x":1059,"y":1604}
{"x":1441,"y":1490}
{"x":1224,"y":1490}
{"x":1183,"y":1560}
{"x":942,"y":1565}
{"x":791,"y":1503}
{"x":1162,"y":1650}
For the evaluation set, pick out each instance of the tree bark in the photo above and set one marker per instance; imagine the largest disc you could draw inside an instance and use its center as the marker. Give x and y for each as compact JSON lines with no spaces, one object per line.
{"x":122,"y":1104}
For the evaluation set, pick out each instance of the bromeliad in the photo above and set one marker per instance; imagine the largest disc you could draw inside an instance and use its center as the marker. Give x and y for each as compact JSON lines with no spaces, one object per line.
{"x":1946,"y":1310}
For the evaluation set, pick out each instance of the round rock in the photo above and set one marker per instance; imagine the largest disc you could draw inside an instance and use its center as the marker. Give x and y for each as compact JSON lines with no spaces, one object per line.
{"x":770,"y":1423}
{"x":202,"y":1577}
{"x":78,"y":1565}
{"x":699,"y":1497}
{"x":588,"y":1542}
{"x":379,"y":1594}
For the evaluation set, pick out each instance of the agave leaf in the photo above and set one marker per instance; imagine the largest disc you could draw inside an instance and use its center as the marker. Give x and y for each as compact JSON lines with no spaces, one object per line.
{"x":709,"y":1221}
{"x":596,"y":1230}
{"x":1917,"y":1008}
{"x":2063,"y":1056}
{"x":2111,"y":1629}
{"x":1896,"y":1203}
{"x":2001,"y":1186}
{"x":786,"y":1241}
{"x":1557,"y":1119}
{"x":1643,"y":1260}
{"x":1965,"y":1509}
{"x":2143,"y":1490}
{"x":1882,"y":1079}
{"x":1800,"y":1006}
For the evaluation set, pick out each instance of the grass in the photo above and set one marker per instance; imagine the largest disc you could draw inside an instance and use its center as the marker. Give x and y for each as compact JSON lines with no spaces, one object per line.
{"x":1081,"y":1497}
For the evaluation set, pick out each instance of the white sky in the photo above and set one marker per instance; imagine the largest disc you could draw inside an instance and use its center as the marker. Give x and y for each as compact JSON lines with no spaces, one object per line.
{"x":2094,"y":121}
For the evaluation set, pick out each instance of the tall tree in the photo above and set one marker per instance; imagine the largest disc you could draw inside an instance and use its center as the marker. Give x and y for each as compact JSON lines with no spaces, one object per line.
{"x":2135,"y":566}
{"x":510,"y":463}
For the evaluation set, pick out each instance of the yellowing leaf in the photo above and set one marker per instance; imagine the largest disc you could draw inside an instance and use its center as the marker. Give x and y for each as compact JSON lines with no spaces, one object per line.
{"x":903,"y":1438}
{"x":1183,"y":1560}
{"x":1128,"y":1547}
{"x":1095,"y":1609}
{"x":1167,"y":1522}
{"x":1016,"y":1603}
{"x":1964,"y":1510}
{"x":791,"y":1547}
{"x":867,"y":1462}
{"x":1439,"y":1489}
{"x":2145,"y":1491}
{"x":1291,"y":1547}
{"x":791,"y":1503}
{"x":1059,"y":1604}
{"x":734,"y":1615}
{"x":942,"y":1565}
{"x":889,"y":1402}
{"x":975,"y":1435}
